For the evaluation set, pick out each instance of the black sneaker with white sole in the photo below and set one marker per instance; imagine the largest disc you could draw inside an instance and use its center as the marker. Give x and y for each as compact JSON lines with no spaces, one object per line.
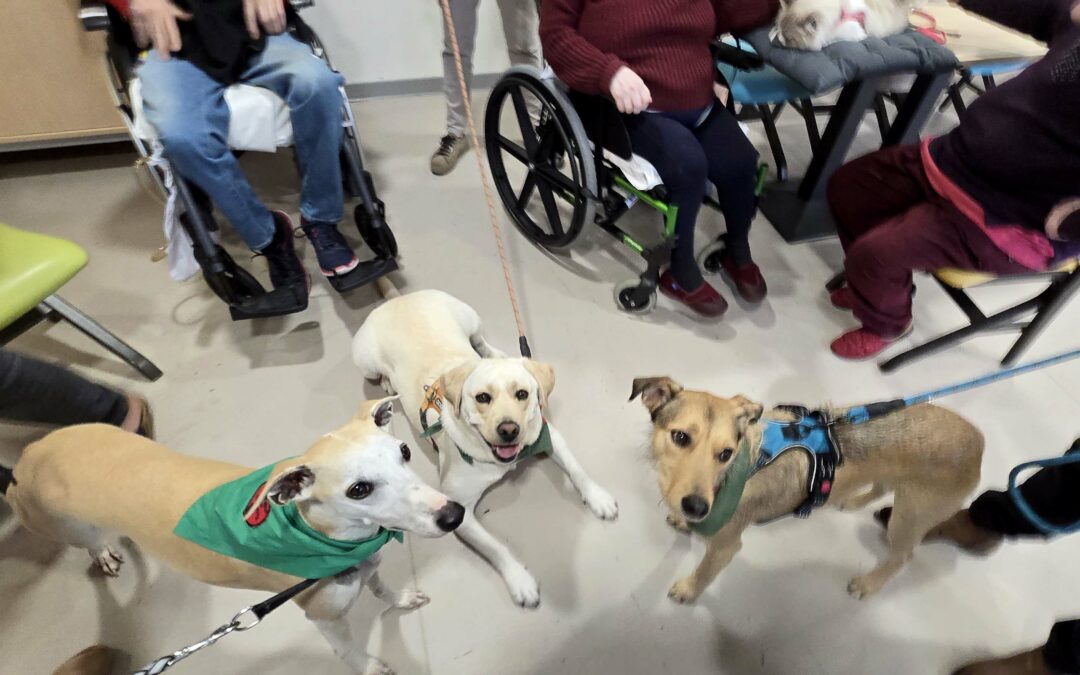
{"x":286,"y":269}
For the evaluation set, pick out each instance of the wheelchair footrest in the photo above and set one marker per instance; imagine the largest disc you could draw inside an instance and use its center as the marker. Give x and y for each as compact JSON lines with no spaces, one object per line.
{"x":278,"y":302}
{"x":365,"y":273}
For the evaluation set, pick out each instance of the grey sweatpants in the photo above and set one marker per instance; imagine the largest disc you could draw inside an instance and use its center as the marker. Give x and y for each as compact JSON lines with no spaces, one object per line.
{"x":521,"y":25}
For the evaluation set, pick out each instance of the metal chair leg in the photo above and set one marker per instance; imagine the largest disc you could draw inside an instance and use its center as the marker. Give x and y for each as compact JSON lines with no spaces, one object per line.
{"x":1054,"y":299}
{"x":768,"y":120}
{"x":54,"y":303}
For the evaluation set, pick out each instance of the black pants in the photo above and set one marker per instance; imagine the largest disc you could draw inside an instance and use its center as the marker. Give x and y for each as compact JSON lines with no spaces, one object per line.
{"x":35,"y":391}
{"x":689,"y":152}
{"x":1054,"y":493}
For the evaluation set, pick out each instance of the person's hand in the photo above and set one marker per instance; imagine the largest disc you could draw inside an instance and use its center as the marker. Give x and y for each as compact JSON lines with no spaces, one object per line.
{"x":154,"y":24}
{"x":721,"y":92}
{"x":1076,"y":13}
{"x":264,"y":16}
{"x":1056,"y":218}
{"x":629,"y":91}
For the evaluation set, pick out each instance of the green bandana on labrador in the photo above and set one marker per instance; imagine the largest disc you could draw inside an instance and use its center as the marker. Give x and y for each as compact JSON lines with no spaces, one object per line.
{"x":276,"y":538}
{"x":727,"y":497}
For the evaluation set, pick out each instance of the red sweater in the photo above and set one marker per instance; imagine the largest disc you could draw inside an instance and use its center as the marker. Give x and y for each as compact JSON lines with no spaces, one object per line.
{"x":666,"y":42}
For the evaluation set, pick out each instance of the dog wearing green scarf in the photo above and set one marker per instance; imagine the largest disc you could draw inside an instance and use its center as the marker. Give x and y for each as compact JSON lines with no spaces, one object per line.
{"x":324,"y":514}
{"x":708,"y":455}
{"x":484,"y":412}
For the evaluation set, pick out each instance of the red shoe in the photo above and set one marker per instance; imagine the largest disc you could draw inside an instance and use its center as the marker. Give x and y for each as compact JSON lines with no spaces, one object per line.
{"x":747,"y":279}
{"x":843,"y":298}
{"x":706,"y":301}
{"x":861,"y":344}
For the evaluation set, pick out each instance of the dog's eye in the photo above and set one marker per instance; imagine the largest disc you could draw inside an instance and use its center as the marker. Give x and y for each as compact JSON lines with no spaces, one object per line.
{"x":483,"y":398}
{"x":812,"y":23}
{"x":725,"y":454}
{"x":406,"y":453}
{"x":359,"y":490}
{"x":521,"y":394}
{"x":681,"y":438}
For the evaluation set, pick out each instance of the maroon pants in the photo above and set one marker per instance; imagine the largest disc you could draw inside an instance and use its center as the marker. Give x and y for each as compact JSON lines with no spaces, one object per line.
{"x":891,"y":222}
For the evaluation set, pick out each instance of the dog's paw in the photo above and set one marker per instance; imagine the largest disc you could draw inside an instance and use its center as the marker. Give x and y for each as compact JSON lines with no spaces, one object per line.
{"x":410,"y":598}
{"x":107,"y":560}
{"x":602,"y":504}
{"x":377,"y":667}
{"x":524,"y":589}
{"x":678,"y":523}
{"x":863,"y":587}
{"x":684,"y":591}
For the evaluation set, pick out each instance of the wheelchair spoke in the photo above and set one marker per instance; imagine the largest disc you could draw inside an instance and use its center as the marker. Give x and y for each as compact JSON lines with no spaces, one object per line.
{"x":550,"y":207}
{"x":521,"y":109}
{"x":557,"y":178}
{"x":515,"y":150}
{"x":526,"y":191}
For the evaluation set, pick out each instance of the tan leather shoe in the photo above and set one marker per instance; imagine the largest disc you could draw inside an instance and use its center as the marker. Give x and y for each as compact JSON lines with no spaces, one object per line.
{"x":96,"y":660}
{"x":1025,"y":663}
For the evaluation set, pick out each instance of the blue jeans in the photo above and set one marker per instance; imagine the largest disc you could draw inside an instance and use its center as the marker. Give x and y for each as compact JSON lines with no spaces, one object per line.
{"x":187,"y":107}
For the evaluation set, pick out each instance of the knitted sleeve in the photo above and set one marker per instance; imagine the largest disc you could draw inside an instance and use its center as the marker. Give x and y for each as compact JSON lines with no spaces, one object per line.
{"x":575,"y":60}
{"x":742,"y":16}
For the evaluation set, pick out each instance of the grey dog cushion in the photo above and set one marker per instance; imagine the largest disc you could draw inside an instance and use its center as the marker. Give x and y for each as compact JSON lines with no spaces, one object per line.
{"x":843,"y":62}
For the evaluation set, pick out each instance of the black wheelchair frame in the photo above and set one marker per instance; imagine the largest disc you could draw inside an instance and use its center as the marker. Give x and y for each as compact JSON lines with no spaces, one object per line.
{"x":244,"y":295}
{"x":564,"y":157}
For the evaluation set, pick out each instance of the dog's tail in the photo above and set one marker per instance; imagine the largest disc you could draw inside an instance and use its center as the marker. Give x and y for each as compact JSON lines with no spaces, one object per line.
{"x":7,"y":479}
{"x":387,"y":288}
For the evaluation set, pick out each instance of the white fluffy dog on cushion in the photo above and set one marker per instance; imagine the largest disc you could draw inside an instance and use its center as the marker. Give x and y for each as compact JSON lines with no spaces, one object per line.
{"x":815,"y":24}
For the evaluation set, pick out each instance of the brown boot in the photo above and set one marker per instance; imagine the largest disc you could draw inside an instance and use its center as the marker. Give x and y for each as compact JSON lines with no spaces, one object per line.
{"x":958,"y":530}
{"x":96,"y":660}
{"x":1025,"y":663}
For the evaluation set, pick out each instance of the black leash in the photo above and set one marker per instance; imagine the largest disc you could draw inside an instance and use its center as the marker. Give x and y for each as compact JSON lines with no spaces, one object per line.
{"x":237,"y":624}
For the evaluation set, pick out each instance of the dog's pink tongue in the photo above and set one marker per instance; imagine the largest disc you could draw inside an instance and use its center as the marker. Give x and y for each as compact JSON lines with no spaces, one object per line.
{"x":506,"y":451}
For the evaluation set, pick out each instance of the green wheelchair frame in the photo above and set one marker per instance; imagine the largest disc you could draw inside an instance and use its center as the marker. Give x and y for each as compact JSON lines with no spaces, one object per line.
{"x":563,"y":161}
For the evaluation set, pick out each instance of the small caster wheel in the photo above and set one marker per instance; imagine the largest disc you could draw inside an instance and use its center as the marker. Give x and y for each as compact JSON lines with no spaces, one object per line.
{"x":628,"y":296}
{"x":709,"y":258}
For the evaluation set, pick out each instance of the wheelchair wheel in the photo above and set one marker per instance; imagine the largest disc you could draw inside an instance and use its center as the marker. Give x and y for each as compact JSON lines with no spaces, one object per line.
{"x":631,"y":298}
{"x":709,"y":258}
{"x":549,"y":185}
{"x":379,"y":239}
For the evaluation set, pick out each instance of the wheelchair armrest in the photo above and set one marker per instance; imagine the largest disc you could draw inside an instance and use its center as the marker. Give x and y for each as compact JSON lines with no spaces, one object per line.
{"x":94,"y":15}
{"x":740,"y":59}
{"x":301,"y":4}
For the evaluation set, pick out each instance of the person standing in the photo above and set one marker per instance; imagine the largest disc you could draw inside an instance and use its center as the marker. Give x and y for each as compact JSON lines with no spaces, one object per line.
{"x":521,"y":28}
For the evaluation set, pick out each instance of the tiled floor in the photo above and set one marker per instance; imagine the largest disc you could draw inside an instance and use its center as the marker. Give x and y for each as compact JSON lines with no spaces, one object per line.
{"x":258,"y":391}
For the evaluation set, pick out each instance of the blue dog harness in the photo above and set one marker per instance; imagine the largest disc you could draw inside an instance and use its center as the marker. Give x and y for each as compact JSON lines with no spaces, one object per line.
{"x":811,"y":432}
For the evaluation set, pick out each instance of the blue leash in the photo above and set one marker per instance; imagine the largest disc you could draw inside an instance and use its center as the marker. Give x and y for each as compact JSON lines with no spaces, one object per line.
{"x":1025,"y":508}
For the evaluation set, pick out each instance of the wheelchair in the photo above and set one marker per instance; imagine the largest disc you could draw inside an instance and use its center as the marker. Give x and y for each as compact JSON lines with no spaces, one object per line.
{"x":577,"y":158}
{"x":244,"y":295}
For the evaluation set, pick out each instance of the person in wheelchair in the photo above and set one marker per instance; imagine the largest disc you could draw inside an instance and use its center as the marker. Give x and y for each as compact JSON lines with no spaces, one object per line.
{"x":1000,"y":193}
{"x":653,"y":58}
{"x":198,"y":49}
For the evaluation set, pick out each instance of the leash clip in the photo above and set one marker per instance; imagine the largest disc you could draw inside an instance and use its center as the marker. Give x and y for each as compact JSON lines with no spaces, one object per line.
{"x":240,"y":626}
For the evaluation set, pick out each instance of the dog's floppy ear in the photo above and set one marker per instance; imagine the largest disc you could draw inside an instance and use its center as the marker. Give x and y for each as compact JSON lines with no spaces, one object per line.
{"x":289,"y":483}
{"x":655,"y":392}
{"x":453,"y":382}
{"x":746,"y":411}
{"x":544,"y":376}
{"x":379,"y":411}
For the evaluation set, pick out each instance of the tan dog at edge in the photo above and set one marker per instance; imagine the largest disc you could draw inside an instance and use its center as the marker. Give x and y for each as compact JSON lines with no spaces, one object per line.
{"x":928,"y":457}
{"x":81,"y":485}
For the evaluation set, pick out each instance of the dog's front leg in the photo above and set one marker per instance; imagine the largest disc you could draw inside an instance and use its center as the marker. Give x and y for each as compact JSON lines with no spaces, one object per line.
{"x":721,"y":549}
{"x":410,"y":598}
{"x":327,"y":607}
{"x":523,"y":587}
{"x":595,"y":497}
{"x":339,"y":635}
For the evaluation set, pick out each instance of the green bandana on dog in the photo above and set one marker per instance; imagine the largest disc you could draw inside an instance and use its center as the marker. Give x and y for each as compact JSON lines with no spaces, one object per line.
{"x":727,"y":497}
{"x":276,"y":538}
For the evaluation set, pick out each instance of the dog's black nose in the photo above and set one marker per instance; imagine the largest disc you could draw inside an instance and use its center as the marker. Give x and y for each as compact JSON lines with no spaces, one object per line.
{"x":450,"y":516}
{"x":695,"y":507}
{"x":508,"y":431}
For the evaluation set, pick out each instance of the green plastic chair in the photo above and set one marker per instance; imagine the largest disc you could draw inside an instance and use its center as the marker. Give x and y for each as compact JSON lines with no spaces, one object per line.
{"x":32,"y":268}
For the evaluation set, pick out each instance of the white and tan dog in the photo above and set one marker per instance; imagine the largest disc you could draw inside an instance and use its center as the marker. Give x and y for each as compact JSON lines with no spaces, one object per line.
{"x":427,"y":347}
{"x":84,"y":484}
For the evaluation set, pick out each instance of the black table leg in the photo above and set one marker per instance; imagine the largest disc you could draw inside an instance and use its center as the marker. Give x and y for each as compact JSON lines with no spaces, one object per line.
{"x":917,"y":107}
{"x":799,"y":213}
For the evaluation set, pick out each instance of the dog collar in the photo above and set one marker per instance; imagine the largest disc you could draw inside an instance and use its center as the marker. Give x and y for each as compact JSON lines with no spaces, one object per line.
{"x":541,"y":446}
{"x":727,"y":497}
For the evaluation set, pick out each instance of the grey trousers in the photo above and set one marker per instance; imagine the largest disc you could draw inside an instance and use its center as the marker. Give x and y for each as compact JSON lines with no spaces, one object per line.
{"x":521,"y":25}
